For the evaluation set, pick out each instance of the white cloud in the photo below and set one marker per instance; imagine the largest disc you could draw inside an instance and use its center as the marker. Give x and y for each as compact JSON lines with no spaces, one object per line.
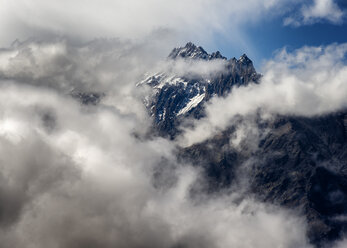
{"x":89,"y":181}
{"x":310,"y":81}
{"x":191,"y":68}
{"x":75,"y":175}
{"x":133,"y":19}
{"x":318,"y":11}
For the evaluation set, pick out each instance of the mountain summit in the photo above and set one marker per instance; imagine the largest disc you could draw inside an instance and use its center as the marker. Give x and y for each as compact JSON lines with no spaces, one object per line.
{"x":179,"y":96}
{"x":192,"y":51}
{"x":244,"y":60}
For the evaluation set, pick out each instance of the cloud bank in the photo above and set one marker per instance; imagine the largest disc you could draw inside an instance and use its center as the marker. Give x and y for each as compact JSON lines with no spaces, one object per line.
{"x":136,"y":19}
{"x":132,"y":19}
{"x":77,"y":175}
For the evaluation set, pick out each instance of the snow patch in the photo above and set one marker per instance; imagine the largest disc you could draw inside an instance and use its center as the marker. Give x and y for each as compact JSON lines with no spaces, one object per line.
{"x":159,"y":80}
{"x":192,"y":104}
{"x":170,"y":81}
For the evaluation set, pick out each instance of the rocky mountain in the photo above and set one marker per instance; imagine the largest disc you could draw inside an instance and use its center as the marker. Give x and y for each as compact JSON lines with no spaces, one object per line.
{"x":299,"y":163}
{"x":177,"y":97}
{"x":193,"y":52}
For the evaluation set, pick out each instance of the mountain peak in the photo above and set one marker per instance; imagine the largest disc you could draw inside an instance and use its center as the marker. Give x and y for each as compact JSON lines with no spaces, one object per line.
{"x":190,"y":50}
{"x":245,"y":60}
{"x":191,"y":44}
{"x":217,"y":55}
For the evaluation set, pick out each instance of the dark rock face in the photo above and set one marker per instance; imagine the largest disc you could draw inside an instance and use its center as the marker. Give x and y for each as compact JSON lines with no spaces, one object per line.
{"x":299,"y":163}
{"x":179,"y":97}
{"x":305,"y":168}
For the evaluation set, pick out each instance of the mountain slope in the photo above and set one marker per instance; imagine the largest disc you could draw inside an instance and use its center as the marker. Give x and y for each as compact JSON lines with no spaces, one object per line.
{"x":301,"y":163}
{"x":296,"y":162}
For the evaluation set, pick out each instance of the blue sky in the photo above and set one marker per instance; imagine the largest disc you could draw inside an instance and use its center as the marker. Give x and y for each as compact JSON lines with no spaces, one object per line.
{"x":268,"y":35}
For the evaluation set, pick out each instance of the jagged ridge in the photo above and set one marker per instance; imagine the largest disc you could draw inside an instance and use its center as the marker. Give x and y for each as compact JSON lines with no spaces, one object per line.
{"x":177,"y":97}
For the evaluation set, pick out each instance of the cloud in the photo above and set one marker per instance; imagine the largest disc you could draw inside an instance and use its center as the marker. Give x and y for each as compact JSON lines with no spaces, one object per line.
{"x":247,"y":134}
{"x":61,"y":65}
{"x":341,"y":243}
{"x":310,"y":81}
{"x":193,"y":68}
{"x":102,"y":66}
{"x":132,"y":19}
{"x":318,"y":11}
{"x":74,"y":175}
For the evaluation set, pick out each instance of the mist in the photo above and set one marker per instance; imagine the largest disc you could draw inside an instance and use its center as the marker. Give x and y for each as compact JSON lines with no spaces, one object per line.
{"x":89,"y":175}
{"x":76,"y":175}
